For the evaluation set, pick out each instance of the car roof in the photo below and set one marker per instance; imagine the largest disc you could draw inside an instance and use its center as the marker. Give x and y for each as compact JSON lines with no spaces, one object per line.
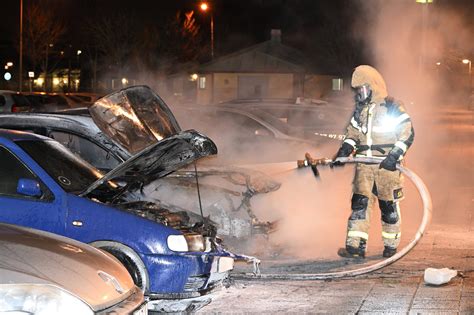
{"x":64,"y":116}
{"x":9,"y":91}
{"x":15,"y":135}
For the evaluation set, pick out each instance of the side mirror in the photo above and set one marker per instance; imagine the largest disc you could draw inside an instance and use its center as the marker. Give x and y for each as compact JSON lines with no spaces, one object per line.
{"x":29,"y":187}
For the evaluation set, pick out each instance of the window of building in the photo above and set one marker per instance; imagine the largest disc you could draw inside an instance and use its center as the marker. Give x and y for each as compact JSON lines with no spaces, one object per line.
{"x":337,"y":84}
{"x":202,"y":83}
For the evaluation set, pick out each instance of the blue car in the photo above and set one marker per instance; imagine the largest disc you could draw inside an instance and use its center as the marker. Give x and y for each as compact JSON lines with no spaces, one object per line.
{"x":169,"y":255}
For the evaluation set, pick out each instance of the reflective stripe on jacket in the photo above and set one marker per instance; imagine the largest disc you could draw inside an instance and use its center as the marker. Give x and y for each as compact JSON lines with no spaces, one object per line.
{"x":379,"y":128}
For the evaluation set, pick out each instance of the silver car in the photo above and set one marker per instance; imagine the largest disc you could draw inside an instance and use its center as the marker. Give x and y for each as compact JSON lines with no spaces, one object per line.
{"x":43,"y":273}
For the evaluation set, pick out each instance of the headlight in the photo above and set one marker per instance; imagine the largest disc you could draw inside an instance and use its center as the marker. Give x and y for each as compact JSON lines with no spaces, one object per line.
{"x":40,"y":299}
{"x":195,"y":242}
{"x":177,"y":243}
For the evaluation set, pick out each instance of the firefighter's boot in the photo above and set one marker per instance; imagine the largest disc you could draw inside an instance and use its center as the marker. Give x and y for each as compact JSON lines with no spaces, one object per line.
{"x":389,"y":251}
{"x":353,"y":252}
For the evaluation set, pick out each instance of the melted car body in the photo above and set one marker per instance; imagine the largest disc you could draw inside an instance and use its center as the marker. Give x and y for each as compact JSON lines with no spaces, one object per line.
{"x":135,"y":119}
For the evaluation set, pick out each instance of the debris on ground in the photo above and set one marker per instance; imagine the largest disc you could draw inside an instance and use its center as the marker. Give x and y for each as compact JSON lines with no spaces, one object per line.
{"x":435,"y":276}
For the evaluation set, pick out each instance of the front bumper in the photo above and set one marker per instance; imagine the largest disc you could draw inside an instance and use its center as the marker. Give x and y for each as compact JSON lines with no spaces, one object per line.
{"x":133,"y":304}
{"x":187,"y":275}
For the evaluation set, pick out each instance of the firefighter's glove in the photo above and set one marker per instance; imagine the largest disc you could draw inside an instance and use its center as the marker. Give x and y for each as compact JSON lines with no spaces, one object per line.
{"x":344,"y":151}
{"x":390,"y":162}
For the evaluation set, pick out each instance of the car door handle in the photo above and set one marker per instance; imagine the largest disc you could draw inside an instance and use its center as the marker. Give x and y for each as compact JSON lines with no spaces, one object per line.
{"x":77,"y":223}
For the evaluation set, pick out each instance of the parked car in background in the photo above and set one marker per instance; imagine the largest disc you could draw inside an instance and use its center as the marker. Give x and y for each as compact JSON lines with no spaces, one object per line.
{"x":13,"y":102}
{"x":43,"y":273}
{"x":51,"y":102}
{"x":266,"y":132}
{"x":169,"y":255}
{"x":226,"y":191}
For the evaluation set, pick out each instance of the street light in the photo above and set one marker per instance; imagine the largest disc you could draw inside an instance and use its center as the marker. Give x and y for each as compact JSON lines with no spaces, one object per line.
{"x":205,"y":7}
{"x":424,"y":20}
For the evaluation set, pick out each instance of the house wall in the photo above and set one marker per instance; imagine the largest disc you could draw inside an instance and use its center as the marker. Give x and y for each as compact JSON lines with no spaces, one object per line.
{"x":204,"y":96}
{"x":317,"y":86}
{"x":223,"y":87}
{"x":226,"y":86}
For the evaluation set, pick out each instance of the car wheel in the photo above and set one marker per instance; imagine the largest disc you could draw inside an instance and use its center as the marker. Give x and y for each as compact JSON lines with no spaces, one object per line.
{"x":129,"y":259}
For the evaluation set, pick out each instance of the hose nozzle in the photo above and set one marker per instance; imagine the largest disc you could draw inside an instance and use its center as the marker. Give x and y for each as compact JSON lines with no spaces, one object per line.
{"x":313,"y":163}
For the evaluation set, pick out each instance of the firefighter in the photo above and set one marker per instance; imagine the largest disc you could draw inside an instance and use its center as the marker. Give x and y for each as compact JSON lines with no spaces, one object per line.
{"x":379,"y":127}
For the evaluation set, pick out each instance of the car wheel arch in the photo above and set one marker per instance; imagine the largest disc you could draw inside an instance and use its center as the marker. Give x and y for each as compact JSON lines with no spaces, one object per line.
{"x":130,"y":259}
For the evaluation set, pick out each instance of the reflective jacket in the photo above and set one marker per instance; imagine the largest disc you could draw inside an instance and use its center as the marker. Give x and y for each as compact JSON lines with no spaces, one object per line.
{"x":378,"y":128}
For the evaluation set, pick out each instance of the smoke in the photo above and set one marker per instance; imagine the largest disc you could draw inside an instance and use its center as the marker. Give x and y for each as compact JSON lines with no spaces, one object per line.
{"x":406,"y":40}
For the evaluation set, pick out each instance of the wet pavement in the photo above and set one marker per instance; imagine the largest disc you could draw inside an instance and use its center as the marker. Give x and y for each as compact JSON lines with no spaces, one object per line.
{"x":399,"y":288}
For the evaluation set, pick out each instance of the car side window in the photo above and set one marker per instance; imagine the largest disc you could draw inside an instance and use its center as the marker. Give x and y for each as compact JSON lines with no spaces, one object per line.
{"x":3,"y":101}
{"x":11,"y":170}
{"x":86,"y":149}
{"x":242,"y":125}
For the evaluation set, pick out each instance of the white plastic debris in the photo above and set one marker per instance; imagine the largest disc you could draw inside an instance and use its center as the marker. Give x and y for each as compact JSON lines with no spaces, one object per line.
{"x":435,"y":276}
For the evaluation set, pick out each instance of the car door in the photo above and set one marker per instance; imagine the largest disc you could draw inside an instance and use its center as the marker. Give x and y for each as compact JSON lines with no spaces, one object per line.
{"x":43,"y":212}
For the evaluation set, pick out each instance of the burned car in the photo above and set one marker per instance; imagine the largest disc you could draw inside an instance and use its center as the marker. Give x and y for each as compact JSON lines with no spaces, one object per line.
{"x":107,"y":140}
{"x":45,"y":186}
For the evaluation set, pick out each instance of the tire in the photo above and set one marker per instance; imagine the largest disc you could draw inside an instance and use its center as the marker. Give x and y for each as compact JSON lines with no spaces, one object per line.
{"x":129,"y":259}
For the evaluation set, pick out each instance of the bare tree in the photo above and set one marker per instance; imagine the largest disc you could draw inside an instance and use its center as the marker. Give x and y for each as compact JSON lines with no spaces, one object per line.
{"x":183,"y":40}
{"x":115,"y":38}
{"x":42,"y":31}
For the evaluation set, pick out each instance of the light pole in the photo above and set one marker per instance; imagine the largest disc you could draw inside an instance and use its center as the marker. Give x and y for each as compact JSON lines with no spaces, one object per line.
{"x":424,"y":19}
{"x":205,"y":7}
{"x":469,"y":62}
{"x":21,"y":48}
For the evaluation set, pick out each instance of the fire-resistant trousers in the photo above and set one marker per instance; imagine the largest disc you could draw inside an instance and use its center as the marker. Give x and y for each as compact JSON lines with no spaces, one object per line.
{"x":370,"y":183}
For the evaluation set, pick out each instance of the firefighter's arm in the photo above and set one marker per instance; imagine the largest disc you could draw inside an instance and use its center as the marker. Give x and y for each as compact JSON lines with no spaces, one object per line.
{"x":352,"y":136}
{"x":404,"y":132}
{"x":348,"y":145}
{"x":405,"y":136}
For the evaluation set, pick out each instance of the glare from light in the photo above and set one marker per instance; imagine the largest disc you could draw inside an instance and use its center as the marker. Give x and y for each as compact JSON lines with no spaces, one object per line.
{"x":204,"y":6}
{"x":55,"y":81}
{"x":7,"y":76}
{"x":438,"y":63}
{"x":466,"y":61}
{"x":39,"y":81}
{"x":9,"y":64}
{"x":194,"y":77}
{"x":79,"y":52}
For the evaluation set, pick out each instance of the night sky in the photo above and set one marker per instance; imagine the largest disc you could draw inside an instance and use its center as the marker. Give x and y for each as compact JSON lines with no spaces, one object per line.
{"x":238,"y":23}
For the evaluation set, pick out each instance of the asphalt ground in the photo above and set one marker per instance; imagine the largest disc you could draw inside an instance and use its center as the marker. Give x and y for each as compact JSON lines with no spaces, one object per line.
{"x":400,"y":287}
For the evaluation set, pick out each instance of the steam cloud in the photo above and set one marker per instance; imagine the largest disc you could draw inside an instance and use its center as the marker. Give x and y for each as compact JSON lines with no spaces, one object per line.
{"x":313,"y":214}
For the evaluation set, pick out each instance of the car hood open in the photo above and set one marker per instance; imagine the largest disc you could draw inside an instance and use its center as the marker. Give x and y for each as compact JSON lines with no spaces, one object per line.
{"x":158,"y":160}
{"x":134,"y":117}
{"x":138,"y":120}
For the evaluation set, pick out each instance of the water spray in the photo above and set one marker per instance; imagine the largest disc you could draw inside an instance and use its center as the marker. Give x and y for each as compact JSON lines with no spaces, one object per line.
{"x":427,"y":208}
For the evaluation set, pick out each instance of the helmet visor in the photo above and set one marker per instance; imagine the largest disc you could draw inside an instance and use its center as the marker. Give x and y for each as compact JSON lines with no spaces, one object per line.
{"x":363,"y":93}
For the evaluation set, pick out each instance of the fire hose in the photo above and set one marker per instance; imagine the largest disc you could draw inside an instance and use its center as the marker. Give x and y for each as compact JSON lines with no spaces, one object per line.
{"x":427,"y":206}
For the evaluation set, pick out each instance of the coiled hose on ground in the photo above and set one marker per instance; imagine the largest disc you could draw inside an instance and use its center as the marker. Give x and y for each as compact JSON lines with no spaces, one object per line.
{"x":427,"y":207}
